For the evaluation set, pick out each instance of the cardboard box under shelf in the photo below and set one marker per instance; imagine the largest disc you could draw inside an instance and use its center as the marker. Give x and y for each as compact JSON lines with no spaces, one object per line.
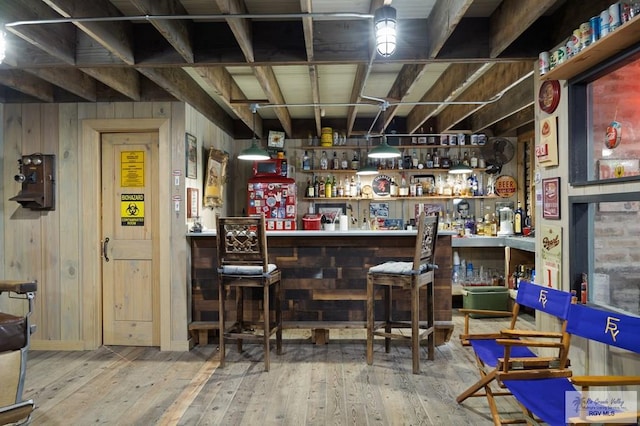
{"x":494,"y":298}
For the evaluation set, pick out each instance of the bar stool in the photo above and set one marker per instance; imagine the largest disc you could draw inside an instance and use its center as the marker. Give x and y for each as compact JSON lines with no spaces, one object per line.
{"x":412,"y":276}
{"x":243,"y":264}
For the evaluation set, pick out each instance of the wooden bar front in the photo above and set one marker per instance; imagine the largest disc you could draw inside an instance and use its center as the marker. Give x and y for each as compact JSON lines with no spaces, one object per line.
{"x":324,"y":277}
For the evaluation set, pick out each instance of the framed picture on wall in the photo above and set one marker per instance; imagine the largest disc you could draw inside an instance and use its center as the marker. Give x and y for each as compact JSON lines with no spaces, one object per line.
{"x":551,"y":198}
{"x":191,"y":154}
{"x":193,"y":203}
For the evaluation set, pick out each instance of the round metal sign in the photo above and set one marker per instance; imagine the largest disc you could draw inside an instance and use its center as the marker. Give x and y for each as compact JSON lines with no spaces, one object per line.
{"x":506,"y":186}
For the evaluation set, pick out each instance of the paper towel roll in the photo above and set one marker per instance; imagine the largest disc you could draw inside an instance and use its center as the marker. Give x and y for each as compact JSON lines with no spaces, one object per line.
{"x":344,"y":222}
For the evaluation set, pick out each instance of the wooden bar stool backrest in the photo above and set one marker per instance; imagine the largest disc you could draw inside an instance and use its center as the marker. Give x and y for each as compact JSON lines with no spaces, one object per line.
{"x":426,"y":243}
{"x":242,"y":241}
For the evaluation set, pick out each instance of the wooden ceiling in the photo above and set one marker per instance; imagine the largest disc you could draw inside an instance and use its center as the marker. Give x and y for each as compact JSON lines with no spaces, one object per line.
{"x":460,"y":65}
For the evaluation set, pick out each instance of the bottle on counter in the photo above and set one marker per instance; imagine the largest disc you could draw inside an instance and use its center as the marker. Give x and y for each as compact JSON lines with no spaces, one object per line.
{"x":518,"y":219}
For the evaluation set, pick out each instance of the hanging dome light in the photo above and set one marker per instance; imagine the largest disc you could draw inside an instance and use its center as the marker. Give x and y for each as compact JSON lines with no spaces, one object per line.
{"x":384,"y":150}
{"x":384,"y":21}
{"x":254,"y":152}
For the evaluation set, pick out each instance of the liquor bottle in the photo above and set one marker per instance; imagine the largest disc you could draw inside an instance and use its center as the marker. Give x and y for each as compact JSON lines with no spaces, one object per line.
{"x":324,"y":161}
{"x":335,"y":165}
{"x":340,"y":189}
{"x":310,"y":189}
{"x":403,"y":191}
{"x":327,"y":187}
{"x":321,"y":188}
{"x":393,"y":188}
{"x":518,"y":217}
{"x":494,"y":225}
{"x":306,"y":161}
{"x":316,"y":187}
{"x":344,"y":164}
{"x":355,"y":164}
{"x":334,"y":187}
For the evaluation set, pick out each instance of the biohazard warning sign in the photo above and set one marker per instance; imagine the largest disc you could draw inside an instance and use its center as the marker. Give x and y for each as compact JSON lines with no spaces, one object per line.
{"x":132,"y":209}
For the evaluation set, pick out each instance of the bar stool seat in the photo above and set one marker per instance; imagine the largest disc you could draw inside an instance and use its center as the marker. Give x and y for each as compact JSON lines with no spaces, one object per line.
{"x":243,"y":264}
{"x":408,"y":276}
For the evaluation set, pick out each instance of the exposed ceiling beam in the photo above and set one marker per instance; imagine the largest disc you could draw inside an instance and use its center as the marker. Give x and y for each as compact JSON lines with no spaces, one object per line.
{"x":489,"y":85}
{"x":452,"y":82}
{"x":70,"y":79}
{"x":517,"y":98}
{"x":356,"y":90}
{"x":184,"y":88}
{"x":57,"y":40}
{"x":270,"y":85}
{"x":443,"y":20}
{"x":28,"y":84}
{"x":231,"y":94}
{"x":315,"y":96}
{"x":404,"y":82}
{"x":511,"y":19}
{"x":177,"y":32}
{"x":241,"y":29}
{"x":115,"y":36}
{"x":307,"y":28}
{"x":124,"y":80}
{"x":514,"y":122}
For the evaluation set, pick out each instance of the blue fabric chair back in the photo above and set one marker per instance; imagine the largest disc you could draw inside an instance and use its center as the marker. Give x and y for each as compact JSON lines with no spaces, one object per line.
{"x":545,"y":299}
{"x":608,"y":327}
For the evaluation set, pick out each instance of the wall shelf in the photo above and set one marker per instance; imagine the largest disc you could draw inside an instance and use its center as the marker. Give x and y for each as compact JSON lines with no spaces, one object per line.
{"x":423,"y":198}
{"x":608,"y":46}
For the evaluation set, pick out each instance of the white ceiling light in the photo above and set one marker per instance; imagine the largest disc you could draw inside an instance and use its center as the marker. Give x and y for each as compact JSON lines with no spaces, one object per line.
{"x":385,"y":24}
{"x":3,"y":46}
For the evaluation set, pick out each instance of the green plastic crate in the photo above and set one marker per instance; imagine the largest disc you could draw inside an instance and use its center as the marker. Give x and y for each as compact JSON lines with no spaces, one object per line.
{"x":494,"y":298}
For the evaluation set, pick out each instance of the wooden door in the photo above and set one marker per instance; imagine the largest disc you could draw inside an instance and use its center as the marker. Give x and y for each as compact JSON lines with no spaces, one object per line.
{"x":130,"y":280}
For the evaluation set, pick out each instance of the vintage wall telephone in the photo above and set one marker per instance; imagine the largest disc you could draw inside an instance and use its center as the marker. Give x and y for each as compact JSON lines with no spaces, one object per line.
{"x":36,"y":174}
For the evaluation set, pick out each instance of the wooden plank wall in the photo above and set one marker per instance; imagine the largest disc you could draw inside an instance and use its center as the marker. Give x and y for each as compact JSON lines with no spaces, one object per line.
{"x":46,"y":245}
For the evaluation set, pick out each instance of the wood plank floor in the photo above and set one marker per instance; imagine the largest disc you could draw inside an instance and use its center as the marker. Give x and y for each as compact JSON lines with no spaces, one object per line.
{"x":308,"y":385}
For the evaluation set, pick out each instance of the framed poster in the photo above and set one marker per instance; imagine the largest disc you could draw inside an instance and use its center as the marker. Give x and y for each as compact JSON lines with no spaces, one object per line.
{"x":216,"y":177}
{"x":551,"y":198}
{"x":191,"y":154}
{"x":193,"y":202}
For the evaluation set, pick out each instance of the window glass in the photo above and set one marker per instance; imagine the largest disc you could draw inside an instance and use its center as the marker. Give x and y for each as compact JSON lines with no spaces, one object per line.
{"x":613,"y":123}
{"x":615,"y":278}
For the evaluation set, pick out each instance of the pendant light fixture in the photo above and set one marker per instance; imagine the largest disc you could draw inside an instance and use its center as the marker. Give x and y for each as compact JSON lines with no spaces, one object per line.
{"x":384,"y":150}
{"x":384,"y":21}
{"x":254,"y":152}
{"x":367,"y":168}
{"x":460,"y":169}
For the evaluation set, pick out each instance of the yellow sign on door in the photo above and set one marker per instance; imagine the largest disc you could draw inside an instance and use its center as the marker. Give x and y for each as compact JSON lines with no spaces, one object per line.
{"x":132,"y":169}
{"x":132,"y":209}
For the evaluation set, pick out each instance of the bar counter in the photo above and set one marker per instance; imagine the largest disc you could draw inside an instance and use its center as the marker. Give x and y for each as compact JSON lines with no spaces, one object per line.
{"x":324,"y":276}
